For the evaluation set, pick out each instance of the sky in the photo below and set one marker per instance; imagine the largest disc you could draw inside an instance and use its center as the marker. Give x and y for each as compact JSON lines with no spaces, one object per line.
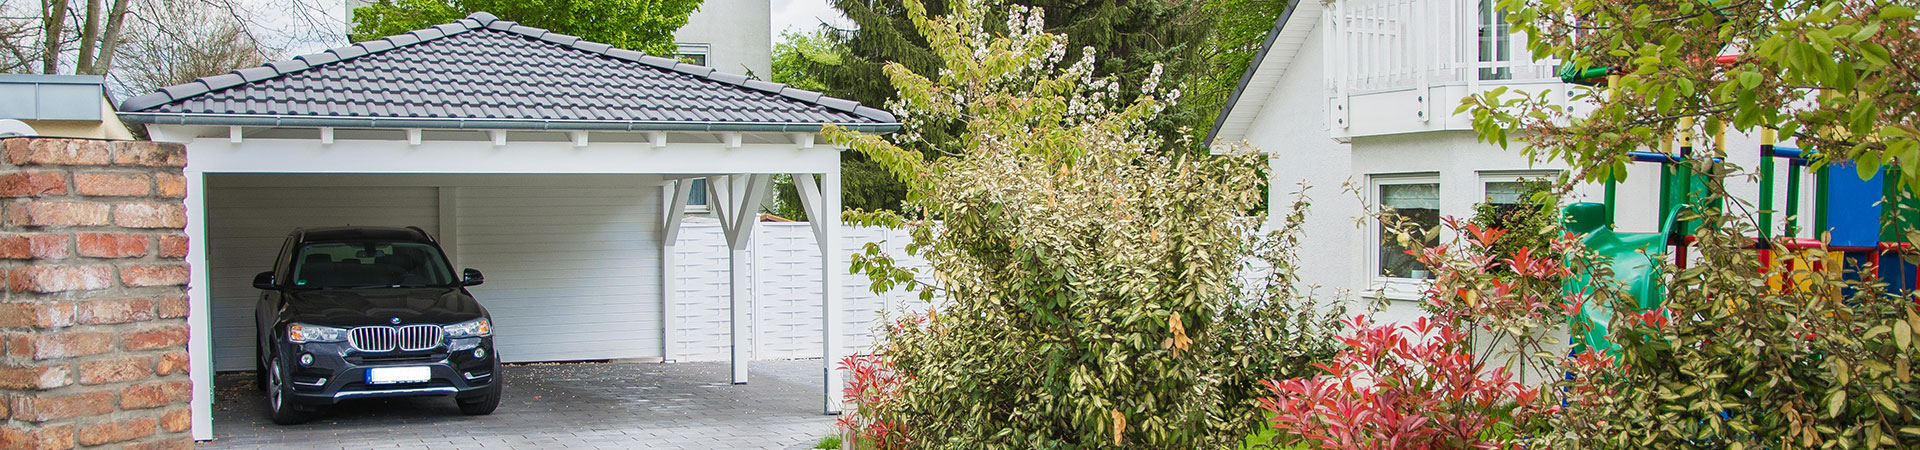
{"x":803,"y":15}
{"x":788,"y":15}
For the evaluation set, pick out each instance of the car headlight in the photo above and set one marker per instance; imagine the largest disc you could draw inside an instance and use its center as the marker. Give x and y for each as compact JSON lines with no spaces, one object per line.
{"x":472,"y":328}
{"x":301,"y":333}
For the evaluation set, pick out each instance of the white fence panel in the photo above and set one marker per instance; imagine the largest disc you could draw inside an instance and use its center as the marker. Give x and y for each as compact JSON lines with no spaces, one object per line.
{"x":786,"y":295}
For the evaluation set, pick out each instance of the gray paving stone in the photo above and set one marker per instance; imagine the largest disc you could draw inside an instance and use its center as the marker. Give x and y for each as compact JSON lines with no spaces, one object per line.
{"x":573,"y":406}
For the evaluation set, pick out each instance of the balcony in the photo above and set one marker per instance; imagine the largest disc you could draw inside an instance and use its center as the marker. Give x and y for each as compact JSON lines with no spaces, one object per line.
{"x":1402,"y":66}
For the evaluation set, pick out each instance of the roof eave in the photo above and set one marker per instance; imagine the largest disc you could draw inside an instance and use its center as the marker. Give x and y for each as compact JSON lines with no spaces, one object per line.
{"x":250,"y":120}
{"x":1247,"y":77}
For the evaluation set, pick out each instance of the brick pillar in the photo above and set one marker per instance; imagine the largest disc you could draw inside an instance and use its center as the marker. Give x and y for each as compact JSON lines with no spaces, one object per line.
{"x":93,"y":328}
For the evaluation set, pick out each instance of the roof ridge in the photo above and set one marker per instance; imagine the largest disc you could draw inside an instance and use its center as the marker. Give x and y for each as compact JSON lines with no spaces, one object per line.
{"x":484,"y":20}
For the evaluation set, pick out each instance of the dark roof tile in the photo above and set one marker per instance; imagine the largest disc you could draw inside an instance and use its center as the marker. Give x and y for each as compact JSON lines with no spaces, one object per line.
{"x":481,"y":67}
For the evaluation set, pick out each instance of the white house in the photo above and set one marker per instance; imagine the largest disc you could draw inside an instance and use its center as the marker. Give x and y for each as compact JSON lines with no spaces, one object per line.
{"x":1362,"y":92}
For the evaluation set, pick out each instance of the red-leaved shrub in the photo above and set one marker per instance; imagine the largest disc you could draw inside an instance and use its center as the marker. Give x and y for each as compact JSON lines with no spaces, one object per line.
{"x":1413,"y":386}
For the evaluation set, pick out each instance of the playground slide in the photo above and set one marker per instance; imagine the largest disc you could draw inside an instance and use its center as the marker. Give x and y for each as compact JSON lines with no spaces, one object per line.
{"x":1635,"y":259}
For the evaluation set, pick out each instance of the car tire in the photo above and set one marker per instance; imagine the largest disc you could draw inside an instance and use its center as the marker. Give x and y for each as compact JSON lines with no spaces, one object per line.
{"x":488,"y":400}
{"x":285,"y":412}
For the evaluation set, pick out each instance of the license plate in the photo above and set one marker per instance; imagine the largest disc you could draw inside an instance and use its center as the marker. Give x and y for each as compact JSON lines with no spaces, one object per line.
{"x":394,"y":375}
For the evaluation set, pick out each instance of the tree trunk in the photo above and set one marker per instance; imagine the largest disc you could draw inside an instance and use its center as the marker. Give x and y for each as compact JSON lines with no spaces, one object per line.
{"x":55,"y":14}
{"x":110,"y":42}
{"x":89,"y":38}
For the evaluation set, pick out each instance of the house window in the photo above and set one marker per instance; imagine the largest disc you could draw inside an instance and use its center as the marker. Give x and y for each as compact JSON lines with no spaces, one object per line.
{"x":1416,"y":201}
{"x":1496,"y":41}
{"x":697,"y":197}
{"x":694,"y":58}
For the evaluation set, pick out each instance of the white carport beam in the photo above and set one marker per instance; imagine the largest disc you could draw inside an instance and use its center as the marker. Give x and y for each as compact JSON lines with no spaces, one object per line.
{"x":744,"y":203}
{"x":827,"y":228}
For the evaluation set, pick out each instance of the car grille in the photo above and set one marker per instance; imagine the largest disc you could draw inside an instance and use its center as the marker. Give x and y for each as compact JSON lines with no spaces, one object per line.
{"x":410,"y":338}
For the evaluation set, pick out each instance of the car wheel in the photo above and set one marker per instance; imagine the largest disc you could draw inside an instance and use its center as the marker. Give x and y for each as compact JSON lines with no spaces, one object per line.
{"x":486,"y":402}
{"x":284,"y":411}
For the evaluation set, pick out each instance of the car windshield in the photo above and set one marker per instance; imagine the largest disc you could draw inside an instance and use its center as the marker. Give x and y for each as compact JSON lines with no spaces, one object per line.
{"x":369,"y":265}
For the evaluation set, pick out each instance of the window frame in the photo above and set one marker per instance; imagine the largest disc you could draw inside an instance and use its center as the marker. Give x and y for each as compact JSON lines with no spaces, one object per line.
{"x":1395,"y":288}
{"x":1508,"y":176}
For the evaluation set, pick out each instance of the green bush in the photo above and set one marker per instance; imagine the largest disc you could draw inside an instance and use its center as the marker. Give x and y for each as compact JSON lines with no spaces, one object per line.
{"x":1087,"y":285}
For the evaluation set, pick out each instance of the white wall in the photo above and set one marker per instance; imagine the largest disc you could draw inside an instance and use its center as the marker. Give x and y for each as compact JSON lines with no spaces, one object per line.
{"x":738,"y":33}
{"x":572,"y":262}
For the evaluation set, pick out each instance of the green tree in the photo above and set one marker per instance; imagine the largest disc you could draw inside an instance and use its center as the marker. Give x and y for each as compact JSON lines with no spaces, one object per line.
{"x":643,"y":25}
{"x":1240,"y":27}
{"x":1742,"y":354}
{"x":1089,"y":286}
{"x":1838,"y":76}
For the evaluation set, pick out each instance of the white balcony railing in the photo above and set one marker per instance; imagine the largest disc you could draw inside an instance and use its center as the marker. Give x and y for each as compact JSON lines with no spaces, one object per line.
{"x":1385,"y":46}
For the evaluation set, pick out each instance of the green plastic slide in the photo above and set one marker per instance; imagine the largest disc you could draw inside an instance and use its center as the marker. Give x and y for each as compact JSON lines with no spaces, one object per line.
{"x":1635,"y":258}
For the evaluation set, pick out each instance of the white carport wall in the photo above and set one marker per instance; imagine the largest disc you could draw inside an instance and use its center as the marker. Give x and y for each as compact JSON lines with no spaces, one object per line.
{"x":736,"y":165}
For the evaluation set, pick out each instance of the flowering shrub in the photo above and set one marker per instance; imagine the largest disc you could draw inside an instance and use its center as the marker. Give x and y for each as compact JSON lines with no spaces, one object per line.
{"x":1416,"y":386}
{"x":1090,"y":290}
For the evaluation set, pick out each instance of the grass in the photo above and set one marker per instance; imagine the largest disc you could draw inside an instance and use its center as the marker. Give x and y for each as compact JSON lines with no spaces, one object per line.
{"x":830,"y":442}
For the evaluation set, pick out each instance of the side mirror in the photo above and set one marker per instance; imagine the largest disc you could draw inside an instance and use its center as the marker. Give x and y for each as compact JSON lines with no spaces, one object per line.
{"x":264,"y":281}
{"x":471,"y":277}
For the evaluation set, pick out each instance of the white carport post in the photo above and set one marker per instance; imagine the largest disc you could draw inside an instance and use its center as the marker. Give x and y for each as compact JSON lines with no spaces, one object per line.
{"x":738,"y":213}
{"x":822,"y":203}
{"x":678,"y":191}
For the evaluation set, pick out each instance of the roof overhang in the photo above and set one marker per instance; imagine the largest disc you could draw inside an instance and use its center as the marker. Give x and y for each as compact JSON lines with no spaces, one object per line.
{"x":1283,"y":42}
{"x":255,"y":120}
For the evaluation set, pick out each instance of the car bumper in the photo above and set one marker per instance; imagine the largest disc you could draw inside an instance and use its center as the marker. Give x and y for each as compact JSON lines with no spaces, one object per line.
{"x":339,"y":373}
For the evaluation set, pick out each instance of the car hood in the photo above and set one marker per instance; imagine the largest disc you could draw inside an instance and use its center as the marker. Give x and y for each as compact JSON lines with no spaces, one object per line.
{"x":357,"y":307}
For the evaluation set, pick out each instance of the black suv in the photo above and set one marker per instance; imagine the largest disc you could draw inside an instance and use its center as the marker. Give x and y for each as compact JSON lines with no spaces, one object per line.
{"x":364,"y":312}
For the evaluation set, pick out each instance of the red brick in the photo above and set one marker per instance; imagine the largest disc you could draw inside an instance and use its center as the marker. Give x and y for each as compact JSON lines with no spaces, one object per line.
{"x":34,"y":378}
{"x":58,"y":152}
{"x":42,"y":409}
{"x":160,"y":393}
{"x":116,"y":370}
{"x":115,"y":431}
{"x":6,"y":409}
{"x":36,"y":314}
{"x":114,"y":311}
{"x":153,"y":154}
{"x":33,"y":184}
{"x":173,"y":246}
{"x":169,"y":307}
{"x":59,"y":345}
{"x":59,"y":278}
{"x":143,"y":275}
{"x":179,"y":443}
{"x":176,"y":420}
{"x":57,"y":213}
{"x":48,"y":246}
{"x":172,"y":363}
{"x":150,"y":215}
{"x":108,"y":184}
{"x":170,"y":185}
{"x":50,"y":438}
{"x":112,"y":245}
{"x":165,"y":337}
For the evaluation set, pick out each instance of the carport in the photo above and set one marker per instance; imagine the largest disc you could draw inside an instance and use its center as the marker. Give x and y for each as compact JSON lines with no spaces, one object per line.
{"x":562,"y":168}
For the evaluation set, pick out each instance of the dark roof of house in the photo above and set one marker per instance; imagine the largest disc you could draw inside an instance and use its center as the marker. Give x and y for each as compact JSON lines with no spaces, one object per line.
{"x":487,"y":73}
{"x":1247,"y":77}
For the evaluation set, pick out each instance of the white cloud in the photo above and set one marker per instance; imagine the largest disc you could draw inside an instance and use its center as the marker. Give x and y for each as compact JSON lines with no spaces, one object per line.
{"x":805,"y":15}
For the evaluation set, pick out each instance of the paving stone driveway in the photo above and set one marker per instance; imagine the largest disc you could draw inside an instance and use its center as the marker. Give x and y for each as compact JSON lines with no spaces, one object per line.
{"x":587,"y":405}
